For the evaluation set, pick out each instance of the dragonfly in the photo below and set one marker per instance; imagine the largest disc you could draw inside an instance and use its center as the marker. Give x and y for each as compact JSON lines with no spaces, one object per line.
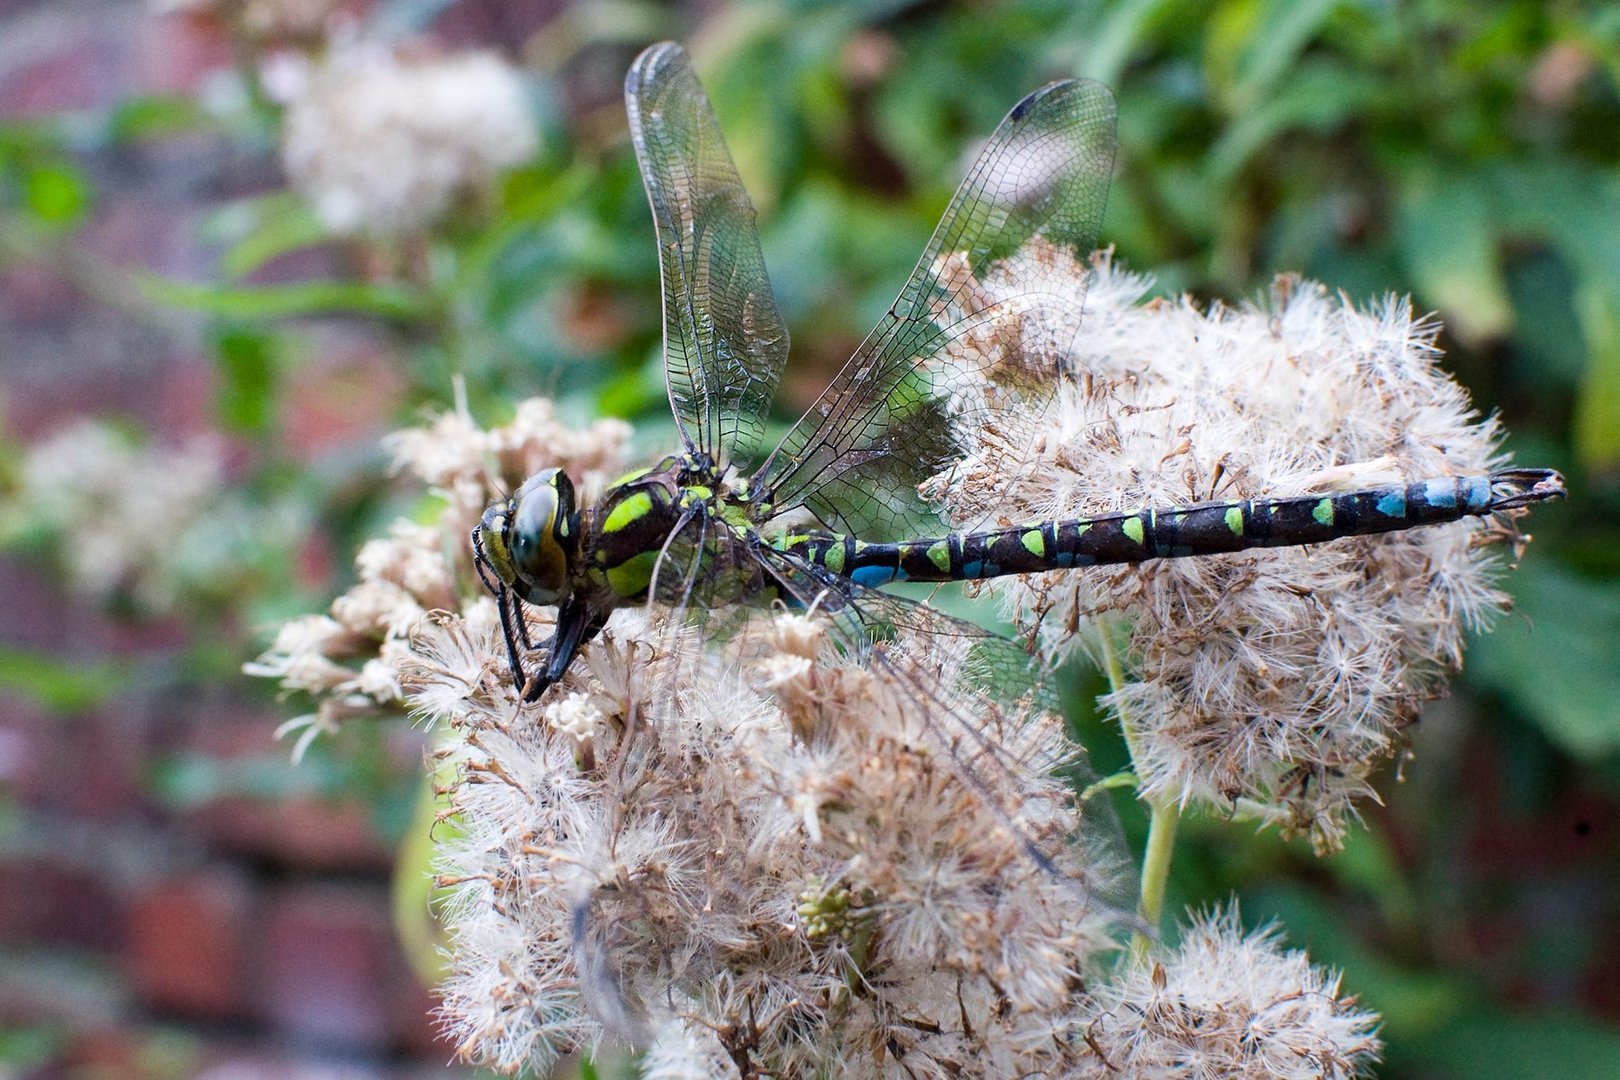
{"x":832,"y":514}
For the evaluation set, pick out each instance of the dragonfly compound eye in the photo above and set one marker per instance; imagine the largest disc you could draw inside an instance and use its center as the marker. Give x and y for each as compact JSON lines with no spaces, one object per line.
{"x":541,"y":536}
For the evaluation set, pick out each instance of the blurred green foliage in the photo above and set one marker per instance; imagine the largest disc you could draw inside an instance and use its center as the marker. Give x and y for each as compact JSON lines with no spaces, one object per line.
{"x":1465,"y":153}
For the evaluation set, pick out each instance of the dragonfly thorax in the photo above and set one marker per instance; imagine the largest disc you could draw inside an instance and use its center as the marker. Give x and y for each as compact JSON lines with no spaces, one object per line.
{"x":632,"y":527}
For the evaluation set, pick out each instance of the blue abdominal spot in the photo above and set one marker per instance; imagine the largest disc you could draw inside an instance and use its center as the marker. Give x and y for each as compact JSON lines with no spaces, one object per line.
{"x":872,"y":576}
{"x":1441,"y":493}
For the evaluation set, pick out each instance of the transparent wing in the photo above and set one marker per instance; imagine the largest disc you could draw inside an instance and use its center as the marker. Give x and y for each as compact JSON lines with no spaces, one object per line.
{"x":724,"y":340}
{"x":985,"y":321}
{"x":973,"y":691}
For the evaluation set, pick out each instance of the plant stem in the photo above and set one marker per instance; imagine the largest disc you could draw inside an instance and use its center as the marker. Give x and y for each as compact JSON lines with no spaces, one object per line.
{"x":1161,"y":845}
{"x":1163,"y":819}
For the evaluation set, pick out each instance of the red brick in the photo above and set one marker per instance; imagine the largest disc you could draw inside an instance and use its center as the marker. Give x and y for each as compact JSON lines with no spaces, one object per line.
{"x":87,"y":767}
{"x":177,"y":53}
{"x":141,"y":231}
{"x":494,"y":23}
{"x":305,"y":834}
{"x":35,"y":619}
{"x":328,"y":961}
{"x":79,"y":74}
{"x":27,"y":740}
{"x":35,"y":293}
{"x":187,"y":944}
{"x":49,"y":899}
{"x":416,"y":1013}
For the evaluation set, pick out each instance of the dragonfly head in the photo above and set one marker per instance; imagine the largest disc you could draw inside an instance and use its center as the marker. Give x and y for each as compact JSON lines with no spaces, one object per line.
{"x":530,"y":541}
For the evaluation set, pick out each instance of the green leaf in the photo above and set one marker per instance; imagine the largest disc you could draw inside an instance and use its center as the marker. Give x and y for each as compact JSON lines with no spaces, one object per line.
{"x":190,"y":781}
{"x":1320,"y":97}
{"x":1519,"y":1045}
{"x":1283,"y":30}
{"x":27,"y":1048}
{"x":1597,"y":406}
{"x":58,"y":685}
{"x":56,"y":194}
{"x":412,"y":890}
{"x":247,"y":368}
{"x":1561,"y":672}
{"x":288,"y":301}
{"x":1447,"y":240}
{"x":282,"y":225}
{"x":153,"y":117}
{"x":1119,"y":33}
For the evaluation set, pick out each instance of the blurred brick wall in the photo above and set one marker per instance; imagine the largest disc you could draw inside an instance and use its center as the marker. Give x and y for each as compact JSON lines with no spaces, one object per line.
{"x":241,"y":938}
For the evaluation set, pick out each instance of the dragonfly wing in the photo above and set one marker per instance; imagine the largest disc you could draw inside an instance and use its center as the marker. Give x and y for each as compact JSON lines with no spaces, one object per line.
{"x":1002,"y":281}
{"x":724,"y":340}
{"x":971,"y":704}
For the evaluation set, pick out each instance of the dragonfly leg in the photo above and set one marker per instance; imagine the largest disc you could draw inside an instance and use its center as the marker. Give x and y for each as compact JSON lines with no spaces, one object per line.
{"x":507,"y":603}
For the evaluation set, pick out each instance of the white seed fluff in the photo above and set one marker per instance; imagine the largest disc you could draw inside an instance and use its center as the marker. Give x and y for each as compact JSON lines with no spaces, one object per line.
{"x":1282,"y":676}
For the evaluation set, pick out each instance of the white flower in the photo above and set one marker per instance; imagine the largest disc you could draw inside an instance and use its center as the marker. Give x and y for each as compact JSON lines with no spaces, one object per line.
{"x":120,"y":509}
{"x":575,"y":716}
{"x":384,"y":144}
{"x":686,"y":1050}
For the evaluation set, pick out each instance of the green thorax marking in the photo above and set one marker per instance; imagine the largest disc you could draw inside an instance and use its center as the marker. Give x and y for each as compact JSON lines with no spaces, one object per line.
{"x":834,"y":558}
{"x":631,"y":508}
{"x":631,"y":577}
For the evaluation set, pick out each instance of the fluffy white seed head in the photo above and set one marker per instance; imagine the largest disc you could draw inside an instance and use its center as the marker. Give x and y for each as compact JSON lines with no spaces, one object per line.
{"x":1229,"y":1003}
{"x":725,"y":869}
{"x":770,"y":858}
{"x":1282,"y":676}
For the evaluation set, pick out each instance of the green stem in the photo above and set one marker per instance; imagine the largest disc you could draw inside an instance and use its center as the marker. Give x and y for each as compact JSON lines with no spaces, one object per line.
{"x":1161,"y":845}
{"x":1163,"y":818}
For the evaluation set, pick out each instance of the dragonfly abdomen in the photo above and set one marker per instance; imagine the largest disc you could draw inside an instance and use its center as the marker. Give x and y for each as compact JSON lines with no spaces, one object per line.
{"x":1200,"y":529}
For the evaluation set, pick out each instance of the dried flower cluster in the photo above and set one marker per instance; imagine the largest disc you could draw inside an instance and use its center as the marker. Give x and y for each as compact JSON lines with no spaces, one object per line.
{"x":755,"y":860}
{"x":1279,"y":677}
{"x":348,"y":659}
{"x":385,"y":144}
{"x":126,"y":520}
{"x":1226,"y":1003}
